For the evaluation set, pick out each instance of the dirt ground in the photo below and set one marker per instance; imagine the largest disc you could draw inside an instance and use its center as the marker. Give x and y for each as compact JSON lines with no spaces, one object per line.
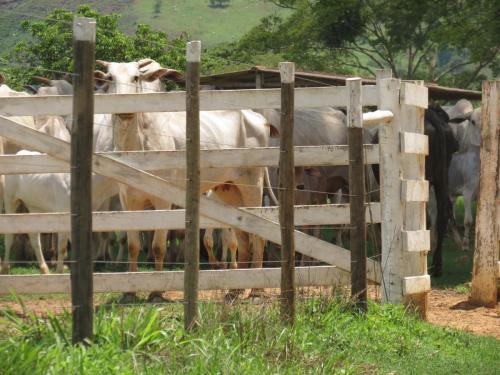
{"x":451,"y":309}
{"x":446,"y":308}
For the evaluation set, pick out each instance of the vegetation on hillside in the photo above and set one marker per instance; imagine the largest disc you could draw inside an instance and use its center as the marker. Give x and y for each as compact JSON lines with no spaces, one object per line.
{"x":451,"y":43}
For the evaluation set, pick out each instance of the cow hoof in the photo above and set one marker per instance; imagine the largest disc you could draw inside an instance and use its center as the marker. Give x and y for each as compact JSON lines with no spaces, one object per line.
{"x":157,"y":297}
{"x":128,"y":298}
{"x":436,"y":272}
{"x":5,"y":269}
{"x":44,"y":269}
{"x":233,"y":295}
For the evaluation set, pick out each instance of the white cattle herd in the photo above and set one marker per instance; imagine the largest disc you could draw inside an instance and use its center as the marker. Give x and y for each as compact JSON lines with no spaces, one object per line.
{"x":242,"y":187}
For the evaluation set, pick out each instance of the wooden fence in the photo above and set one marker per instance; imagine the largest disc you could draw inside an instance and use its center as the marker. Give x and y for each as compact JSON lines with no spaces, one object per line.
{"x":402,"y":273}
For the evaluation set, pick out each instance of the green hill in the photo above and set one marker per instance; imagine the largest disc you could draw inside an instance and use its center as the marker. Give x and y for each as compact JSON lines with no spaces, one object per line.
{"x":197,"y":17}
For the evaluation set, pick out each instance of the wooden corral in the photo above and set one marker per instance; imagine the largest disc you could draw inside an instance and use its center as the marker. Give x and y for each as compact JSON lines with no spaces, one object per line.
{"x":402,"y":273}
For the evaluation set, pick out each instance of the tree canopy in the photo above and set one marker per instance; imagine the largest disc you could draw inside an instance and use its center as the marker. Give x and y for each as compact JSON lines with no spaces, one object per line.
{"x":49,"y":50}
{"x":450,"y":42}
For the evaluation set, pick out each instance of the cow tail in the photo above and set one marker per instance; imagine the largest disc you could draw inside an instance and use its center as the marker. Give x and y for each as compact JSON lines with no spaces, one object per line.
{"x":269,"y":188}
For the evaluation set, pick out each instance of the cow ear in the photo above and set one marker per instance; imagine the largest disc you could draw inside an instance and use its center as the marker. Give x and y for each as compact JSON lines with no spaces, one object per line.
{"x":31,"y":89}
{"x":162,"y":73}
{"x":101,"y":80}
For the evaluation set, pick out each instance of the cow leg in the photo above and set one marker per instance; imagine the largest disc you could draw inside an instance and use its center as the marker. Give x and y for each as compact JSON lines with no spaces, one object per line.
{"x":442,"y":214}
{"x":208,"y":241}
{"x":37,"y":248}
{"x":9,"y":239}
{"x":230,"y":243}
{"x":453,"y":226}
{"x":468,"y":220}
{"x":62,"y":251}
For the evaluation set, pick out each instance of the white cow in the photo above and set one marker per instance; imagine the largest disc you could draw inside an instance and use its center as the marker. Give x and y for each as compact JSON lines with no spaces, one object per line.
{"x":166,"y":131}
{"x":463,"y":174}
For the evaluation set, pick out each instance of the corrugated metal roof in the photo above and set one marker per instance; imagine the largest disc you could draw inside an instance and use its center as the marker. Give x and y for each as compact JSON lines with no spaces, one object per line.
{"x":271,"y":78}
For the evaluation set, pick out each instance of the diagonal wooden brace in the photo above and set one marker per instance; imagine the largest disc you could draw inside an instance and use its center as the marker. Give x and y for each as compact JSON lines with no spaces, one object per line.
{"x":158,"y":187}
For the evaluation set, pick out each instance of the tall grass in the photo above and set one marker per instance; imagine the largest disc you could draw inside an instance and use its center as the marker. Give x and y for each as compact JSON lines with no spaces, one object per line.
{"x":327,"y":338}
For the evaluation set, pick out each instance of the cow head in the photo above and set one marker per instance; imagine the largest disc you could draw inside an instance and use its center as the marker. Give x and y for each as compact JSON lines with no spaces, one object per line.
{"x":130,"y":78}
{"x":2,"y":79}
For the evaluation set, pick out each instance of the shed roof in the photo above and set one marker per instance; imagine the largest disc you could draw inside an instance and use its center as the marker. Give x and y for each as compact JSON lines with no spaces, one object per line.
{"x":270,"y":78}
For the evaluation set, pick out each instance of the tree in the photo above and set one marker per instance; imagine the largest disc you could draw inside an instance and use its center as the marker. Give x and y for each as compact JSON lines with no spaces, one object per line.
{"x":49,"y":51}
{"x":439,"y":40}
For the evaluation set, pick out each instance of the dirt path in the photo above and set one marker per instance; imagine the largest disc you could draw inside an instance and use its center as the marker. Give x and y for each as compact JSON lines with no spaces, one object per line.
{"x":446,"y":308}
{"x":451,"y":309}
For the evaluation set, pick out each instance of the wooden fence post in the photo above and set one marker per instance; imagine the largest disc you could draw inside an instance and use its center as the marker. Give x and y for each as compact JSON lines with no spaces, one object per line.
{"x":359,"y":282}
{"x":416,"y":237}
{"x":192,"y":241}
{"x":404,"y":192}
{"x":485,"y":272}
{"x":81,"y":178}
{"x":286,"y":192}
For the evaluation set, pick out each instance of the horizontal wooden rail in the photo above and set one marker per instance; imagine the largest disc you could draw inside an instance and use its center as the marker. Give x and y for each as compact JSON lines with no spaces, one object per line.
{"x":124,"y":282}
{"x":326,"y":155}
{"x":328,"y":214}
{"x":334,"y":96}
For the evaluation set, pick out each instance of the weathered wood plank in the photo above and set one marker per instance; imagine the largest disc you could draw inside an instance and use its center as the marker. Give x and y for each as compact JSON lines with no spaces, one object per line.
{"x":84,"y":30}
{"x":163,"y":189}
{"x":210,"y":100}
{"x":484,"y":280}
{"x":359,"y":283}
{"x":416,"y":285}
{"x":286,"y":192}
{"x":416,"y":240}
{"x":415,"y":95}
{"x":328,"y":214}
{"x":326,"y":155}
{"x":378,"y":117}
{"x":169,"y":281}
{"x":414,"y":143}
{"x":415,"y":190}
{"x":192,"y":237}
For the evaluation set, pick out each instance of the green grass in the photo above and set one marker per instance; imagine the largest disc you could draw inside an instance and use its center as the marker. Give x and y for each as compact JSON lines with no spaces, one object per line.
{"x":211,"y":26}
{"x":327,"y":338}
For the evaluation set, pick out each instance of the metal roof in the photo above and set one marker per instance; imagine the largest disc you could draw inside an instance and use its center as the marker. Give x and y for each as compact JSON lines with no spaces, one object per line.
{"x":270,"y":78}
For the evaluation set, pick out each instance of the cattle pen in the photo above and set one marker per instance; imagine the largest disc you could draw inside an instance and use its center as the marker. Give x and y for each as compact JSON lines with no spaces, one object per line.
{"x":398,"y":106}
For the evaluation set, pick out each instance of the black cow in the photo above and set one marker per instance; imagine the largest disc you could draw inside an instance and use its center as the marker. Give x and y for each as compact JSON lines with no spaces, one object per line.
{"x":442,"y":146}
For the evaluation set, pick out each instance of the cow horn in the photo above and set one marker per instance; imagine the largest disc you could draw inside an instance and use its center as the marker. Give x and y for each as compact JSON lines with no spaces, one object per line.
{"x":2,"y":78}
{"x":43,"y":80}
{"x":31,"y":89}
{"x":102,"y":63}
{"x":144,"y":62}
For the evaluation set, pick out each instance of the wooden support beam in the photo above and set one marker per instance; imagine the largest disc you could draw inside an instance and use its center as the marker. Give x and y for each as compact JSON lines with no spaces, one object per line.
{"x":81,"y":179}
{"x":416,"y":285}
{"x":104,"y":221}
{"x":485,"y":270}
{"x":414,"y":143}
{"x":210,"y":100}
{"x":415,"y":95}
{"x":192,"y":238}
{"x":286,"y":192}
{"x":415,"y":190}
{"x":416,"y":240}
{"x":327,"y":155}
{"x":377,"y":118}
{"x":359,"y":283}
{"x":170,"y":281}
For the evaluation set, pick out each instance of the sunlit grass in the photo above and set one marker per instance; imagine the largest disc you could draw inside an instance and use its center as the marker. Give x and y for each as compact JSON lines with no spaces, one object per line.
{"x":327,"y":338}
